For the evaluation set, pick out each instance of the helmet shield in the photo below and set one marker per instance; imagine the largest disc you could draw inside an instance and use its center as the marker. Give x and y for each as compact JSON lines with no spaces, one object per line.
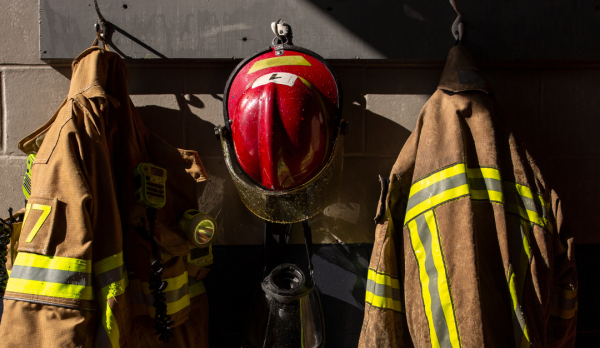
{"x":293,"y":205}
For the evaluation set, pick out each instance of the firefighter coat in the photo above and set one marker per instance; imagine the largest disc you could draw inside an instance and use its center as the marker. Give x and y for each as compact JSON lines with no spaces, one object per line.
{"x":80,"y":278}
{"x":472,"y":250}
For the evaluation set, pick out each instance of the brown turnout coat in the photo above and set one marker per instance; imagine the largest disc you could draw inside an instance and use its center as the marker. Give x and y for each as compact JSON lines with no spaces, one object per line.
{"x":473,"y":250}
{"x":80,"y":278}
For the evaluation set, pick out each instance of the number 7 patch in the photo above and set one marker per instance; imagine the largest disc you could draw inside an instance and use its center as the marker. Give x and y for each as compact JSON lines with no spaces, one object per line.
{"x":46,"y":209}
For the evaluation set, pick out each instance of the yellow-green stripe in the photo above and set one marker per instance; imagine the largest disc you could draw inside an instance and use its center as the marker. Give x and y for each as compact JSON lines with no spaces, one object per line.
{"x":52,"y":276}
{"x":104,"y":270}
{"x":383,"y":291}
{"x":435,"y":286}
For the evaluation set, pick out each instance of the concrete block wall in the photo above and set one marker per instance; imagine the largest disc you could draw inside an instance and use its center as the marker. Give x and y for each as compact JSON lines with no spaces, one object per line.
{"x":182,"y":102}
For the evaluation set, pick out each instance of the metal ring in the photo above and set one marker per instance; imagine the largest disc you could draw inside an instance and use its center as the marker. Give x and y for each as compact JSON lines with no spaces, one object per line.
{"x":273,"y":43}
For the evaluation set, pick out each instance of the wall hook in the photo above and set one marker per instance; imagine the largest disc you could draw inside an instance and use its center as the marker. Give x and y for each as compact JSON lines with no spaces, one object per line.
{"x":458,"y":27}
{"x":100,"y":26}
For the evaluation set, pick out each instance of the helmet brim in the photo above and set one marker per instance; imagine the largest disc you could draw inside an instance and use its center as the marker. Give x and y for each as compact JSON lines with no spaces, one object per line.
{"x":293,"y":205}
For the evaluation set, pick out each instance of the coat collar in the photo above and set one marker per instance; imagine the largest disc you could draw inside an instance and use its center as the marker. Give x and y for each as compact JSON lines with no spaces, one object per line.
{"x":461,"y":74}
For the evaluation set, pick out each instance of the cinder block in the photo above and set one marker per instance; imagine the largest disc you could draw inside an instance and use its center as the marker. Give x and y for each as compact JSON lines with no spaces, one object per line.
{"x":32,"y":95}
{"x":350,"y":219}
{"x":219,"y":198}
{"x":395,"y":97}
{"x":163,"y":115}
{"x":203,"y":113}
{"x":19,"y":25}
{"x":386,"y":80}
{"x":390,"y":119}
{"x":12,"y":170}
{"x":353,"y":107}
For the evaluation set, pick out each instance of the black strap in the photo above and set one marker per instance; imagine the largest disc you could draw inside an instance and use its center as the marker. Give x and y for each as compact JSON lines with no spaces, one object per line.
{"x":309,"y":244}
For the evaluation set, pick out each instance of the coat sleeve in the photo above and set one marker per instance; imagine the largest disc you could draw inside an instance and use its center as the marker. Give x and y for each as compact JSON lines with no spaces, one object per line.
{"x":385,"y":323}
{"x":69,"y":264}
{"x":563,"y":307}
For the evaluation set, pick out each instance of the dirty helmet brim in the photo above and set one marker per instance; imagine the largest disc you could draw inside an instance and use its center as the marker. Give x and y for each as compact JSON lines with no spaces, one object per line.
{"x":289,"y":206}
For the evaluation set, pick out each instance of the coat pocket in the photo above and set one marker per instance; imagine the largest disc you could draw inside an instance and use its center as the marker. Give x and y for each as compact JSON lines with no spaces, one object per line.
{"x":38,"y":224}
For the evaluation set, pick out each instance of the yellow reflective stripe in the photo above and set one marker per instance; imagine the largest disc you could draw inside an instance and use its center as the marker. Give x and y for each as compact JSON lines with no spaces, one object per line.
{"x":383,"y":291}
{"x":45,"y":212}
{"x":36,"y":287}
{"x":108,"y":263}
{"x":519,"y":256}
{"x":278,"y":61}
{"x":196,"y":289}
{"x":114,"y":289}
{"x":483,"y":172}
{"x":564,"y":302}
{"x":420,"y":255}
{"x":492,"y":190}
{"x":174,"y":283}
{"x":173,"y":307}
{"x":564,"y":313}
{"x":443,"y":285}
{"x":382,"y":278}
{"x":437,"y":199}
{"x":528,"y":214}
{"x":437,"y":177}
{"x":383,"y":302}
{"x":53,"y":262}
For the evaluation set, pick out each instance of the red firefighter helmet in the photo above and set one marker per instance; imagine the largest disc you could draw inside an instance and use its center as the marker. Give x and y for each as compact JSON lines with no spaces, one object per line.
{"x":282,"y":112}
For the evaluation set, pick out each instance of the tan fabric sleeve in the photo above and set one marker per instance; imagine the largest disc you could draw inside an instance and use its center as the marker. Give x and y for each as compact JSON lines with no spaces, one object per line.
{"x":564,"y":299}
{"x":72,"y":223}
{"x":385,"y":323}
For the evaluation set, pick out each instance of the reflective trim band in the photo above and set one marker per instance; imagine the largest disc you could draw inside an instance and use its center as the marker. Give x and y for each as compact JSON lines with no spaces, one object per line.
{"x":485,"y":184}
{"x":438,"y":188}
{"x":174,"y":283}
{"x":111,"y":276}
{"x":278,"y":61}
{"x":519,"y":251}
{"x":521,"y":201}
{"x":435,"y":288}
{"x":177,"y":294}
{"x":45,"y":212}
{"x":34,"y":287}
{"x":196,"y":287}
{"x":51,"y":276}
{"x":53,"y":262}
{"x":564,"y":303}
{"x":383,"y":291}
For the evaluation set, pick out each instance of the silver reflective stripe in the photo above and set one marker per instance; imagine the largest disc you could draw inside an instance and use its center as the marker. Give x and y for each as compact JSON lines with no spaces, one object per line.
{"x":383,"y":290}
{"x":439,"y":319}
{"x":488,"y":184}
{"x":170,"y":296}
{"x":51,"y":275}
{"x":435,"y":189}
{"x":109,"y":277}
{"x":524,"y":202}
{"x":562,"y":303}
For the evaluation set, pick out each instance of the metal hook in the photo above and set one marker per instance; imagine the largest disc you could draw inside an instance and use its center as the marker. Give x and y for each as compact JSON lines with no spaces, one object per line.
{"x":100,"y":26}
{"x":458,"y":27}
